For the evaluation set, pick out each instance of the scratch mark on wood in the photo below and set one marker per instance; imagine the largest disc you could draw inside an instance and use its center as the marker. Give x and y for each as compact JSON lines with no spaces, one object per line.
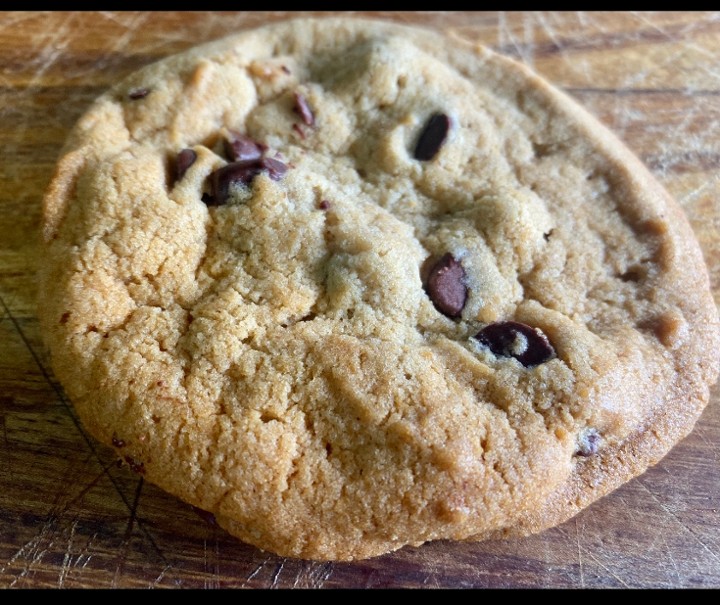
{"x":161,"y":575}
{"x":316,"y":575}
{"x":529,"y":40}
{"x":128,"y":533}
{"x":256,"y":571}
{"x":607,"y":569}
{"x":326,"y":570}
{"x":32,"y":552}
{"x":8,"y":467}
{"x":653,"y":26}
{"x":579,"y":554}
{"x":678,"y":520}
{"x":206,"y":583}
{"x":85,"y":489}
{"x":431,"y":577}
{"x":675,"y":568}
{"x":67,"y":557}
{"x":276,"y":575}
{"x":711,"y":444}
{"x":211,"y":569}
{"x":505,"y":33}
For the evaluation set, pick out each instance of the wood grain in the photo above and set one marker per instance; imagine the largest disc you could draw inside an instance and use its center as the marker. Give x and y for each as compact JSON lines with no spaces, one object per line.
{"x":70,"y":517}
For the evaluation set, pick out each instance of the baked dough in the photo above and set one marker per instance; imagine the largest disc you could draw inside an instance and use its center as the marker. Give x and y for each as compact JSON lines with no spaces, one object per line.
{"x":350,"y":285}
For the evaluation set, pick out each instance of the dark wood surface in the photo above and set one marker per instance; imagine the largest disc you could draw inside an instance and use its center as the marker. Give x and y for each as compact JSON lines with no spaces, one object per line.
{"x":69,"y":517}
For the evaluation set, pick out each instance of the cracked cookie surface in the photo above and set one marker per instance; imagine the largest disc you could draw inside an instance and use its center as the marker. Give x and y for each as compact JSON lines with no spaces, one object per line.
{"x":350,"y":286}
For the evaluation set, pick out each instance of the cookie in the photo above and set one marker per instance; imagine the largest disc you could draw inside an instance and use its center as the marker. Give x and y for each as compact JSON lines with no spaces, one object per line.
{"x":349,"y":286}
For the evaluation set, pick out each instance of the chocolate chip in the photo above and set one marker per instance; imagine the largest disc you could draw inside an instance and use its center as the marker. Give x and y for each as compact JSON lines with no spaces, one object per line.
{"x":298,"y":130}
{"x":588,"y":443}
{"x":445,"y":285}
{"x":221,"y":179}
{"x":276,"y":169}
{"x":302,"y":108}
{"x":117,"y":442}
{"x":241,"y":148}
{"x":185,"y":159}
{"x":432,"y":137}
{"x":138,"y":93}
{"x":240,"y":173}
{"x":514,"y":339}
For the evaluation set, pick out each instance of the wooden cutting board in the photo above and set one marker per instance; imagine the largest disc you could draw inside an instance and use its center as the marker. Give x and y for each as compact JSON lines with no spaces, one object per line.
{"x":69,"y":517}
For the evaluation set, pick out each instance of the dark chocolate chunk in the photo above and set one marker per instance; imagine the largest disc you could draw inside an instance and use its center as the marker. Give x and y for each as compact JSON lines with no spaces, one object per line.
{"x":138,"y":93}
{"x":241,"y":148}
{"x":432,"y":137}
{"x":446,"y":287}
{"x":588,"y":443}
{"x":185,"y":159}
{"x":302,"y":108}
{"x":514,"y":339}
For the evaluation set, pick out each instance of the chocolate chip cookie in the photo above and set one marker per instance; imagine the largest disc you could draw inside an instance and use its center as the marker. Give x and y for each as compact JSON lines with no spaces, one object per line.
{"x":349,"y":286}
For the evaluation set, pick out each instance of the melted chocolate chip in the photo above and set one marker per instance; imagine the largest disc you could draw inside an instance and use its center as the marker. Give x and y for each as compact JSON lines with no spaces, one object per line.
{"x":241,"y":148}
{"x":240,"y":173}
{"x":138,"y":93}
{"x":446,"y":287}
{"x":235,"y":173}
{"x":588,"y":443}
{"x":432,"y":137}
{"x":514,"y":339}
{"x":184,"y":160}
{"x":302,"y":108}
